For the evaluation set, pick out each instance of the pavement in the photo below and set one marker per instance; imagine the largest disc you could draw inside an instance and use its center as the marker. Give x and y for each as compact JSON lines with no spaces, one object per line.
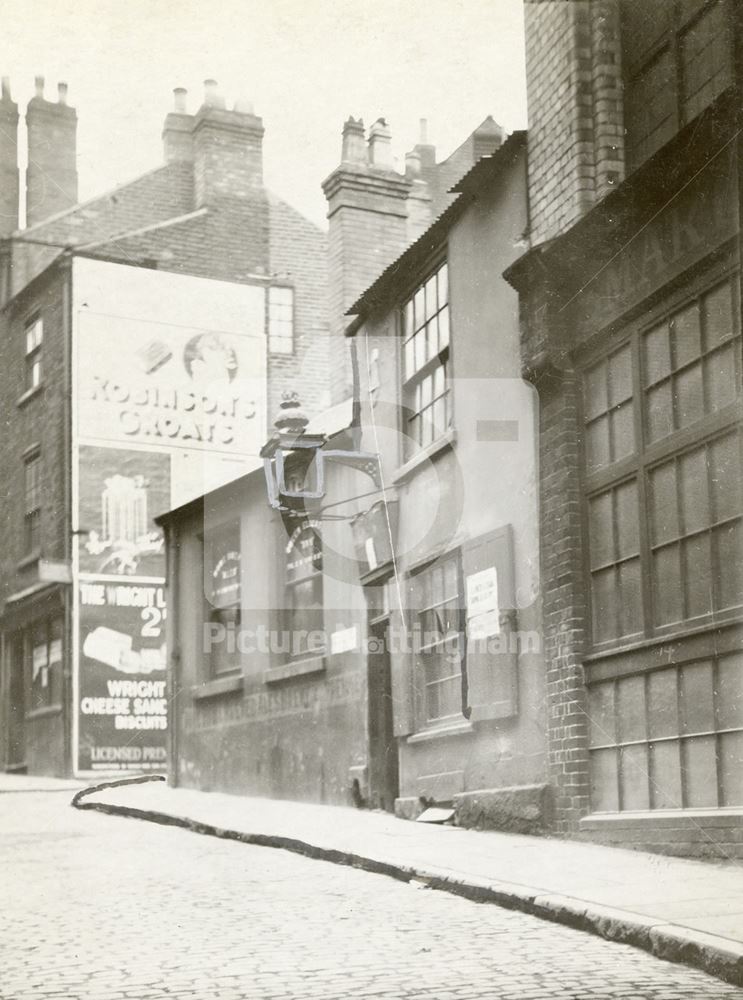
{"x":99,"y":908}
{"x":682,"y":910}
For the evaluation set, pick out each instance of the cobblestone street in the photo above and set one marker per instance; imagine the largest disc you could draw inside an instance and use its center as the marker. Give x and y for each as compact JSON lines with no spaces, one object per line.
{"x":102,"y":908}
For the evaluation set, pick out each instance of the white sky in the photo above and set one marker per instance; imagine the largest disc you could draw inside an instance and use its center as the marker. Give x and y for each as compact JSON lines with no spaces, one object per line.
{"x":305,"y":64}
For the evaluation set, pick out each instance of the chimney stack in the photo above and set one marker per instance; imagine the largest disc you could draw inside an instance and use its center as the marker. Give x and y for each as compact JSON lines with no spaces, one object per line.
{"x":9,"y":182}
{"x":51,"y":177}
{"x":367,"y":226}
{"x":227,"y":149}
{"x":177,"y":128}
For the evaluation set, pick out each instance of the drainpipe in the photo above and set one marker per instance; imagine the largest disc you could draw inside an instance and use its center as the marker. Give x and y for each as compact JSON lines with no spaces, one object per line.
{"x":67,"y":665}
{"x":173,"y":650}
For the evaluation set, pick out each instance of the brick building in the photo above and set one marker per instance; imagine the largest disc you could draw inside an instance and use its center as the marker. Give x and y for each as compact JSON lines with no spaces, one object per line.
{"x":144,"y":331}
{"x":630,"y":310}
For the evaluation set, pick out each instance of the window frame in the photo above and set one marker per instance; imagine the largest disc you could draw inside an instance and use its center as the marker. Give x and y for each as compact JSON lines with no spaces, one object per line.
{"x":33,"y":351}
{"x":671,"y":41}
{"x":275,"y":338}
{"x":32,"y":503}
{"x":228,"y":612}
{"x":647,"y":456}
{"x":440,"y":360}
{"x":290,"y":608}
{"x":424,"y":720}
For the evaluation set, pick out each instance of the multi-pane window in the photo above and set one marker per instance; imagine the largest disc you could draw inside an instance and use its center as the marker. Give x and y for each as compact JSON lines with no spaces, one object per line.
{"x":304,"y":591}
{"x":34,"y":334}
{"x":664,"y":472}
{"x":669,"y":739}
{"x":222,"y":585}
{"x":425,"y":336}
{"x":689,"y":364}
{"x":440,"y":627}
{"x":280,"y":320}
{"x":44,"y":656}
{"x":677,"y":58}
{"x":32,"y":503}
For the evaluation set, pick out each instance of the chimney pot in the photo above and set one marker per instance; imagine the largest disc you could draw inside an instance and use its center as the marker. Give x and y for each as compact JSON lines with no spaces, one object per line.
{"x":39,"y":85}
{"x":380,"y":144}
{"x":62,"y":93}
{"x":212,"y":97}
{"x":412,"y":164}
{"x":354,"y":144}
{"x":423,"y":132}
{"x":179,"y":99}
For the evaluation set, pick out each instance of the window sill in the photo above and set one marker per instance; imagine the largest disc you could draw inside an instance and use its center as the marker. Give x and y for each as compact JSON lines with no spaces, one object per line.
{"x":30,"y":560}
{"x":218,"y":687}
{"x":313,"y":665}
{"x":43,"y":713}
{"x":29,"y":394}
{"x":427,"y":455}
{"x":459,"y":728}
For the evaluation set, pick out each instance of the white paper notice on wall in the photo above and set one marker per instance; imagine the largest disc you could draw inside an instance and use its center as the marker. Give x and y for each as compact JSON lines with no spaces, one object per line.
{"x":40,"y":659}
{"x":371,"y":553}
{"x":483,"y":615}
{"x":344,"y":640}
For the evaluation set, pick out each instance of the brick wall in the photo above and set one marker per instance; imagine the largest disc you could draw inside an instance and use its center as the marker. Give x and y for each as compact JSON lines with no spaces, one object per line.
{"x":8,"y":162}
{"x":575,"y":111}
{"x":40,"y":420}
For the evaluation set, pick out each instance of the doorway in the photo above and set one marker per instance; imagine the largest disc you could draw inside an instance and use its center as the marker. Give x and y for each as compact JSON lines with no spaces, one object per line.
{"x":383,"y":760}
{"x":16,"y":759}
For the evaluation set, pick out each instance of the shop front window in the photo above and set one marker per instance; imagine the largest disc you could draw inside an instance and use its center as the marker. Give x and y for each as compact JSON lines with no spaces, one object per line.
{"x":303,"y":593}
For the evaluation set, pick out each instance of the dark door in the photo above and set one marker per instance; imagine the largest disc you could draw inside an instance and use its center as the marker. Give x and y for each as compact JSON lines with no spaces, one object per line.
{"x":16,"y":707}
{"x":383,"y":764}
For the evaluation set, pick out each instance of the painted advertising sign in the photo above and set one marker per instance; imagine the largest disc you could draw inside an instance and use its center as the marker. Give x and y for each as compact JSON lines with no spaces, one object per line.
{"x":169,"y":402}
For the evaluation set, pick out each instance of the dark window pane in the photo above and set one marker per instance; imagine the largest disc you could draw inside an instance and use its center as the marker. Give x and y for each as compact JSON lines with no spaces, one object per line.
{"x":630,"y":597}
{"x":686,"y":336}
{"x":649,"y":107}
{"x":717,"y":310}
{"x":667,"y":585}
{"x":631,"y":709}
{"x":662,"y":703}
{"x":720,"y":378}
{"x":663,"y":503}
{"x":689,"y":396}
{"x":601,"y":714}
{"x":620,"y":376}
{"x":730,"y":691}
{"x":692,"y":469}
{"x":700,"y":772}
{"x":601,"y":530}
{"x":697,"y":575}
{"x":604,"y":605}
{"x":596,"y":400}
{"x":657,"y":354}
{"x":705,"y":60}
{"x":634,"y":780}
{"x":443,"y":328}
{"x":604,"y":788}
{"x":697,"y":709}
{"x":731,"y":768}
{"x":597,"y":444}
{"x":666,"y":775}
{"x":623,"y":431}
{"x":728,"y":546}
{"x":659,"y":412}
{"x":628,"y":529}
{"x":725,"y":477}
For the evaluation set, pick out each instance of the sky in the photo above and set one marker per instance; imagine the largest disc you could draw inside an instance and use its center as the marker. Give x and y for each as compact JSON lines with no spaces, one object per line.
{"x":306,"y":65}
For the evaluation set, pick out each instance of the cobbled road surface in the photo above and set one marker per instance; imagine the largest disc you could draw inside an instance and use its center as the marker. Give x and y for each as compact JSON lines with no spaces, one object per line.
{"x":94,"y":907}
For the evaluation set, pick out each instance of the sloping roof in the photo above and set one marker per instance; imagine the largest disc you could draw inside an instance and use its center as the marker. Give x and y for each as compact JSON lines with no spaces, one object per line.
{"x":483,"y":174}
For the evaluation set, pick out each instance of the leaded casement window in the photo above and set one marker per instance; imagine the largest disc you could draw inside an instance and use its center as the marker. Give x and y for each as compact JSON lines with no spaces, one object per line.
{"x":280,"y":320}
{"x":677,"y":58}
{"x":303,"y":592}
{"x":32,"y":503}
{"x":34,"y":338}
{"x":439,"y":619}
{"x":664,"y":489}
{"x":670,"y":738}
{"x":425,"y":338}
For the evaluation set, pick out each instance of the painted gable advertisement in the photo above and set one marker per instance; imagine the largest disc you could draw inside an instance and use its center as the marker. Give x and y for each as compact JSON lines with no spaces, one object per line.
{"x":169,"y":403}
